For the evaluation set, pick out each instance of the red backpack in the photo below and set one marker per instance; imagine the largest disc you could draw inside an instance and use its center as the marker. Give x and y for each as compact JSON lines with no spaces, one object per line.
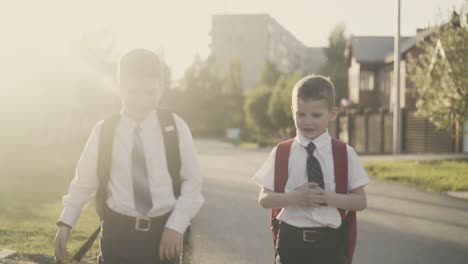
{"x":340,"y":163}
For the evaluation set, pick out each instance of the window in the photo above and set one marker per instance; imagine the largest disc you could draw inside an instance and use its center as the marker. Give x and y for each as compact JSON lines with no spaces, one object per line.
{"x":366,"y":81}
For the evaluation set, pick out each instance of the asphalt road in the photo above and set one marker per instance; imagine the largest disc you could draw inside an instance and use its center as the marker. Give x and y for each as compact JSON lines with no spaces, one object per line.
{"x":400,"y":225}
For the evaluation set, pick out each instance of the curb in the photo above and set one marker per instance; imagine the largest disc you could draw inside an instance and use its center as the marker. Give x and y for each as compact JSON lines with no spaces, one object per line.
{"x":458,"y":195}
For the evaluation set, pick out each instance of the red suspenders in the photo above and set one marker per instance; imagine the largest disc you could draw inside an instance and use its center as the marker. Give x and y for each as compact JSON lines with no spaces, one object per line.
{"x":340,"y":163}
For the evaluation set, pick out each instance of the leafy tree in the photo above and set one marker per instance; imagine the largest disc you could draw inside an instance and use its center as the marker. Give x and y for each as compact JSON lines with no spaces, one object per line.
{"x":335,"y":66}
{"x":270,"y":74}
{"x":233,"y":97}
{"x":440,"y":79}
{"x":201,"y":98}
{"x":255,"y":107}
{"x":257,"y":102}
{"x":279,"y":108}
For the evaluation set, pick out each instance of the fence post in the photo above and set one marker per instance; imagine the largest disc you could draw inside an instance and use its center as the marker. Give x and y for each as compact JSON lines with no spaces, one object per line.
{"x":404,"y":114}
{"x":350,"y":128}
{"x":366,"y":131}
{"x":382,"y":131}
{"x":337,"y":127}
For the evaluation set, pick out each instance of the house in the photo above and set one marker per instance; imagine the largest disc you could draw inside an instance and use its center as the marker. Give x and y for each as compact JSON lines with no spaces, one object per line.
{"x":370,"y":70}
{"x":371,"y":84}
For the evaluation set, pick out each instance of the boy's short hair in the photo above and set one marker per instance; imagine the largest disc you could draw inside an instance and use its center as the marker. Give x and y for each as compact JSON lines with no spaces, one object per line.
{"x":140,"y":63}
{"x":315,"y":87}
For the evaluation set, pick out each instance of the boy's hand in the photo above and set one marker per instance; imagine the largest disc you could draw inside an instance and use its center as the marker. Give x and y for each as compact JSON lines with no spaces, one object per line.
{"x":61,"y":239}
{"x":171,"y":244}
{"x":308,"y":195}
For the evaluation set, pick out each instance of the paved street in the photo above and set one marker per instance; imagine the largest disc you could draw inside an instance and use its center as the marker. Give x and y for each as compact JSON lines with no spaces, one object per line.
{"x":401,"y":224}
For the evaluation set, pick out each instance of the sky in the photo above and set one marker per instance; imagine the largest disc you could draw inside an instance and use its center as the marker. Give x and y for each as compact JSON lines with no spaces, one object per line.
{"x":180,"y":29}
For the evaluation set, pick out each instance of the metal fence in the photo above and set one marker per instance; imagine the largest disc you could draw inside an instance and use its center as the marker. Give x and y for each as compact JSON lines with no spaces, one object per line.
{"x":372,"y":132}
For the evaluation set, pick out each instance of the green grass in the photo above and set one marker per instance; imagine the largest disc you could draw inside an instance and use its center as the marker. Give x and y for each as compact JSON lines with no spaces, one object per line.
{"x":32,"y":183}
{"x":249,"y":145}
{"x":434,"y":176}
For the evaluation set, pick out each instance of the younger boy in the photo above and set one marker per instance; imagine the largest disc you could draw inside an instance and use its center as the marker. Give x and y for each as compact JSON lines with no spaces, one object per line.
{"x":302,"y":177}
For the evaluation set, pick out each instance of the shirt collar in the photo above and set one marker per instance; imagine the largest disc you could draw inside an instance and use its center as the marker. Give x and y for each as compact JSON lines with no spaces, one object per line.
{"x":319,"y":141}
{"x":130,"y":123}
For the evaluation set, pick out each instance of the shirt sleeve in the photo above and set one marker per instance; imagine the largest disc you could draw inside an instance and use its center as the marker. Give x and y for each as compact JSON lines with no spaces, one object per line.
{"x":265,"y":176}
{"x":85,"y":182}
{"x":357,"y":176}
{"x":191,"y":199}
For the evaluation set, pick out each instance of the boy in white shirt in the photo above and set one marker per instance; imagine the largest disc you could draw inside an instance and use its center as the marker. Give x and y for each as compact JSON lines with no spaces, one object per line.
{"x":308,"y":185}
{"x":145,"y":201}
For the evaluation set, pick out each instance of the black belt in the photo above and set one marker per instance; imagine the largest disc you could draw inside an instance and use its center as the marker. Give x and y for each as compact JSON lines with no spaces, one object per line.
{"x":142,"y":224}
{"x":308,"y":234}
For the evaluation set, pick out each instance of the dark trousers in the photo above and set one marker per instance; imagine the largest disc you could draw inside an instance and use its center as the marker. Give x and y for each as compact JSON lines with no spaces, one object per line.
{"x":121,"y":243}
{"x":310,"y":245}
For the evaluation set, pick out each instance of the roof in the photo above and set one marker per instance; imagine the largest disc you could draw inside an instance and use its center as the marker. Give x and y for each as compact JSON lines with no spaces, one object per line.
{"x":373,"y":49}
{"x":410,"y":43}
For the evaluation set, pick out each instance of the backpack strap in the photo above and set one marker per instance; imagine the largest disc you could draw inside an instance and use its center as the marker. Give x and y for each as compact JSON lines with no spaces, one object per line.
{"x":106,"y":140}
{"x":340,"y":164}
{"x":340,"y":158}
{"x":173,"y":159}
{"x":281,"y":178}
{"x":171,"y":146}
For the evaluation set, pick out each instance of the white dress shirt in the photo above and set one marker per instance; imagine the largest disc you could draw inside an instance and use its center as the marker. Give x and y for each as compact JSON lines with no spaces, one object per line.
{"x":297,"y":169}
{"x":120,"y":187}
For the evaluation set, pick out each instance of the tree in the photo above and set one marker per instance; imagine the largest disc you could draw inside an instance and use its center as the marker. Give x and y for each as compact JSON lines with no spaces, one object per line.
{"x":440,"y":79}
{"x":201,"y":98}
{"x":209,"y":103}
{"x":63,"y":92}
{"x":335,"y":66}
{"x":270,"y":74}
{"x":279,"y":108}
{"x":166,"y":75}
{"x":233,"y":97}
{"x":256,"y":104}
{"x":96,"y":49}
{"x":276,"y":106}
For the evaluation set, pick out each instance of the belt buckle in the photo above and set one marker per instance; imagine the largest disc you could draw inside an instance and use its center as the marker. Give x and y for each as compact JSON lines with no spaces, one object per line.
{"x":139,"y":227}
{"x":309,"y":235}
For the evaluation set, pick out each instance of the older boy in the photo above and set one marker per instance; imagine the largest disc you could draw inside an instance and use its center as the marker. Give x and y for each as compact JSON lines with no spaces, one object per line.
{"x":143,"y":218}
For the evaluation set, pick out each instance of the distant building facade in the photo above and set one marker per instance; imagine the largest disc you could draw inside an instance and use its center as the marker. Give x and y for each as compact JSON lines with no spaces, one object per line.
{"x":252,"y":39}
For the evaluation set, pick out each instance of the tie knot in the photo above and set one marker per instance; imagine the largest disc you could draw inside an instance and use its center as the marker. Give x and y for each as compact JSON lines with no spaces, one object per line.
{"x":310,"y":148}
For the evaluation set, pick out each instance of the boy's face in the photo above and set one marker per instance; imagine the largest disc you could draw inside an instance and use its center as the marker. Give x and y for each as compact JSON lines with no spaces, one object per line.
{"x":140,"y":95}
{"x":311,"y":116}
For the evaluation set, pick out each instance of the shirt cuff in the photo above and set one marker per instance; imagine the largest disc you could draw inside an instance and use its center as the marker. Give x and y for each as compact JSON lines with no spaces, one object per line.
{"x":178,"y":222}
{"x":70,"y":215}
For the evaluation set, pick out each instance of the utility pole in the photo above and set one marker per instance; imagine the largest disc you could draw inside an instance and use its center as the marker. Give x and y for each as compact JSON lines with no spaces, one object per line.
{"x":397,"y":125}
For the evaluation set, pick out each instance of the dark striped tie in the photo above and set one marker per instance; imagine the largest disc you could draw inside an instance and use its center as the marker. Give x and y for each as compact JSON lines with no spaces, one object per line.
{"x":314,"y":171}
{"x":141,"y":187}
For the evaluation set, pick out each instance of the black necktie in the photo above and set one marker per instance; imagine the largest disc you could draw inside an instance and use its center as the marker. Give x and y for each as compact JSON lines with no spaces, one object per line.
{"x":314,"y":171}
{"x":141,"y":187}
